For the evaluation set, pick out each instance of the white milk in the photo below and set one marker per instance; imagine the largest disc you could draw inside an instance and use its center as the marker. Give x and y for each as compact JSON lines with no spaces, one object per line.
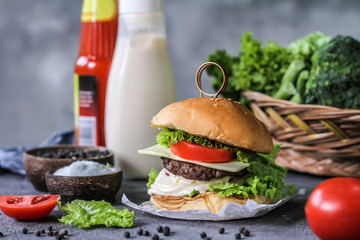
{"x":140,"y":84}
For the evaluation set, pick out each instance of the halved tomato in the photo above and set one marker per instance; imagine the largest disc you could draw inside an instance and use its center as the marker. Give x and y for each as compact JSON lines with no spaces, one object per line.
{"x":28,"y":207}
{"x":192,"y":151}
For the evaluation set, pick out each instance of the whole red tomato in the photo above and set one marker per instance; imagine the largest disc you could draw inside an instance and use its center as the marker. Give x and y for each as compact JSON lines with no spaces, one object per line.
{"x":333,"y":209}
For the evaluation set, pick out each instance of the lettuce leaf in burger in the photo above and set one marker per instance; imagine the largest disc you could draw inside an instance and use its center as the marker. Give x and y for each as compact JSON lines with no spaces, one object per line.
{"x":214,"y":151}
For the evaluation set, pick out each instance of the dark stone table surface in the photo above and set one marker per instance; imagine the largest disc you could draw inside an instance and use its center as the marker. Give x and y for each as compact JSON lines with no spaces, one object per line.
{"x":285,"y":222}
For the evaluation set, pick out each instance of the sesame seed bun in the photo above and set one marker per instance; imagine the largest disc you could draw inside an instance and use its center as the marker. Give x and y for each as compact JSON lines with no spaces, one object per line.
{"x":218,"y":119}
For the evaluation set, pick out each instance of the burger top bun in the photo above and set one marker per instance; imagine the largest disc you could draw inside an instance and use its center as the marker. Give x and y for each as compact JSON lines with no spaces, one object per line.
{"x":218,"y":119}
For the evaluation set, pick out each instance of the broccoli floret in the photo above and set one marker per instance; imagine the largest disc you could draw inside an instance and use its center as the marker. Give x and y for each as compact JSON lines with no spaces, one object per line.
{"x":335,"y":74}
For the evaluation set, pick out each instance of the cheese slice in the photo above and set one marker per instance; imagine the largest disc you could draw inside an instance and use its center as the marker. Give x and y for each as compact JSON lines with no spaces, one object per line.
{"x":161,"y":151}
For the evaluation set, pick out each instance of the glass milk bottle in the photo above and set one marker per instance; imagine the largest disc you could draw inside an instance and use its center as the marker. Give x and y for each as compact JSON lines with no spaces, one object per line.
{"x":140,"y":84}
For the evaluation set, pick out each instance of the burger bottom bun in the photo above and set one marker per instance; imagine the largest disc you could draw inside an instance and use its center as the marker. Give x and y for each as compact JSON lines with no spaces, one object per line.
{"x":203,"y":201}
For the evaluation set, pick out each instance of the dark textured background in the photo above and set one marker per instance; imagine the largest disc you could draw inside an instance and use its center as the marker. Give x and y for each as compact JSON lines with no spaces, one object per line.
{"x":39,"y":43}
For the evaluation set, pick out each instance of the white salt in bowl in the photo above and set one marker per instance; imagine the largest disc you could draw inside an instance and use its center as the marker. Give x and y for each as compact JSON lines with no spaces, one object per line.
{"x":87,"y":182}
{"x":83,"y":168}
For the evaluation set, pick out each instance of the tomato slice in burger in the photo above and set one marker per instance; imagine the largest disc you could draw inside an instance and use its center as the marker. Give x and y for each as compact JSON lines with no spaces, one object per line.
{"x":28,"y":207}
{"x":192,"y":151}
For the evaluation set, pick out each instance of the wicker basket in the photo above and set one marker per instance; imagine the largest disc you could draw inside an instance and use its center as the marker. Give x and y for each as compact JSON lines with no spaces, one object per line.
{"x":316,"y":139}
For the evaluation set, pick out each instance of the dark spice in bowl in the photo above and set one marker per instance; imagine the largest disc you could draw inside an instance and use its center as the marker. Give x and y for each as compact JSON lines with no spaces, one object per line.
{"x":72,"y":153}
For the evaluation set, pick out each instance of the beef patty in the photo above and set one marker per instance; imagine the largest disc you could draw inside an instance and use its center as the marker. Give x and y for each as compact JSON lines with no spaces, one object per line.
{"x":193,"y":171}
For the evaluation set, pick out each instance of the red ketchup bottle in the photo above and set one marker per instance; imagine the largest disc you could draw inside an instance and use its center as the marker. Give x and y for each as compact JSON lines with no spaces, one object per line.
{"x":97,"y":42}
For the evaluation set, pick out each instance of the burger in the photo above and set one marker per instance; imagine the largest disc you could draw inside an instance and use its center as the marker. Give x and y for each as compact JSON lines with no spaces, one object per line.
{"x":214,"y":152}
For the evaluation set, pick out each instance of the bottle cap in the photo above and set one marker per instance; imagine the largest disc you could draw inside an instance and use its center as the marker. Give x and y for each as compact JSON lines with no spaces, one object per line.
{"x":94,"y":10}
{"x":140,"y":6}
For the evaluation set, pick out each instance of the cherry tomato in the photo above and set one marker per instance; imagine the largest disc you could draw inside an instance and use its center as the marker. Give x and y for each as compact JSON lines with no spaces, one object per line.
{"x":192,"y":151}
{"x":28,"y":207}
{"x":333,"y":209}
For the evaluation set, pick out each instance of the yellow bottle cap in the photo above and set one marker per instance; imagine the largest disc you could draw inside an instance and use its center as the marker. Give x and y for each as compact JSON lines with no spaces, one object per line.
{"x":98,"y":10}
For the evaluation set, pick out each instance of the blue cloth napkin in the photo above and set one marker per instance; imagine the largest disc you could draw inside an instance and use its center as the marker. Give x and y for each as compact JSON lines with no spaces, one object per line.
{"x":12,"y":158}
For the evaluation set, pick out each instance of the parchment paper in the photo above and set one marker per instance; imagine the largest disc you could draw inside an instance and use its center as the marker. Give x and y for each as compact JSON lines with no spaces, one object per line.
{"x":229,"y":212}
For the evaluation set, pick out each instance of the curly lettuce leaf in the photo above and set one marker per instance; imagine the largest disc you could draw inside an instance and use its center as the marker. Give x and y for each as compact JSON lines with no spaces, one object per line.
{"x":86,"y":214}
{"x":167,"y":136}
{"x":230,"y":189}
{"x":194,"y":193}
{"x":153,"y":174}
{"x":264,"y":177}
{"x":261,"y":67}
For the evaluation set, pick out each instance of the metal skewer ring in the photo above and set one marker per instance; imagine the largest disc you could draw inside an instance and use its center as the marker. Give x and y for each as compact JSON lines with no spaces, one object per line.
{"x":198,"y":79}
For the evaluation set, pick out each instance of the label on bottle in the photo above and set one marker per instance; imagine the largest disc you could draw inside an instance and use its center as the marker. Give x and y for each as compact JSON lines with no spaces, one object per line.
{"x":86,"y":110}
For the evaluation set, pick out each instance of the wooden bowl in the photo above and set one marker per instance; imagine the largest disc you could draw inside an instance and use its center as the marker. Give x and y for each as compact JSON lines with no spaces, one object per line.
{"x":97,"y":187}
{"x":36,"y":166}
